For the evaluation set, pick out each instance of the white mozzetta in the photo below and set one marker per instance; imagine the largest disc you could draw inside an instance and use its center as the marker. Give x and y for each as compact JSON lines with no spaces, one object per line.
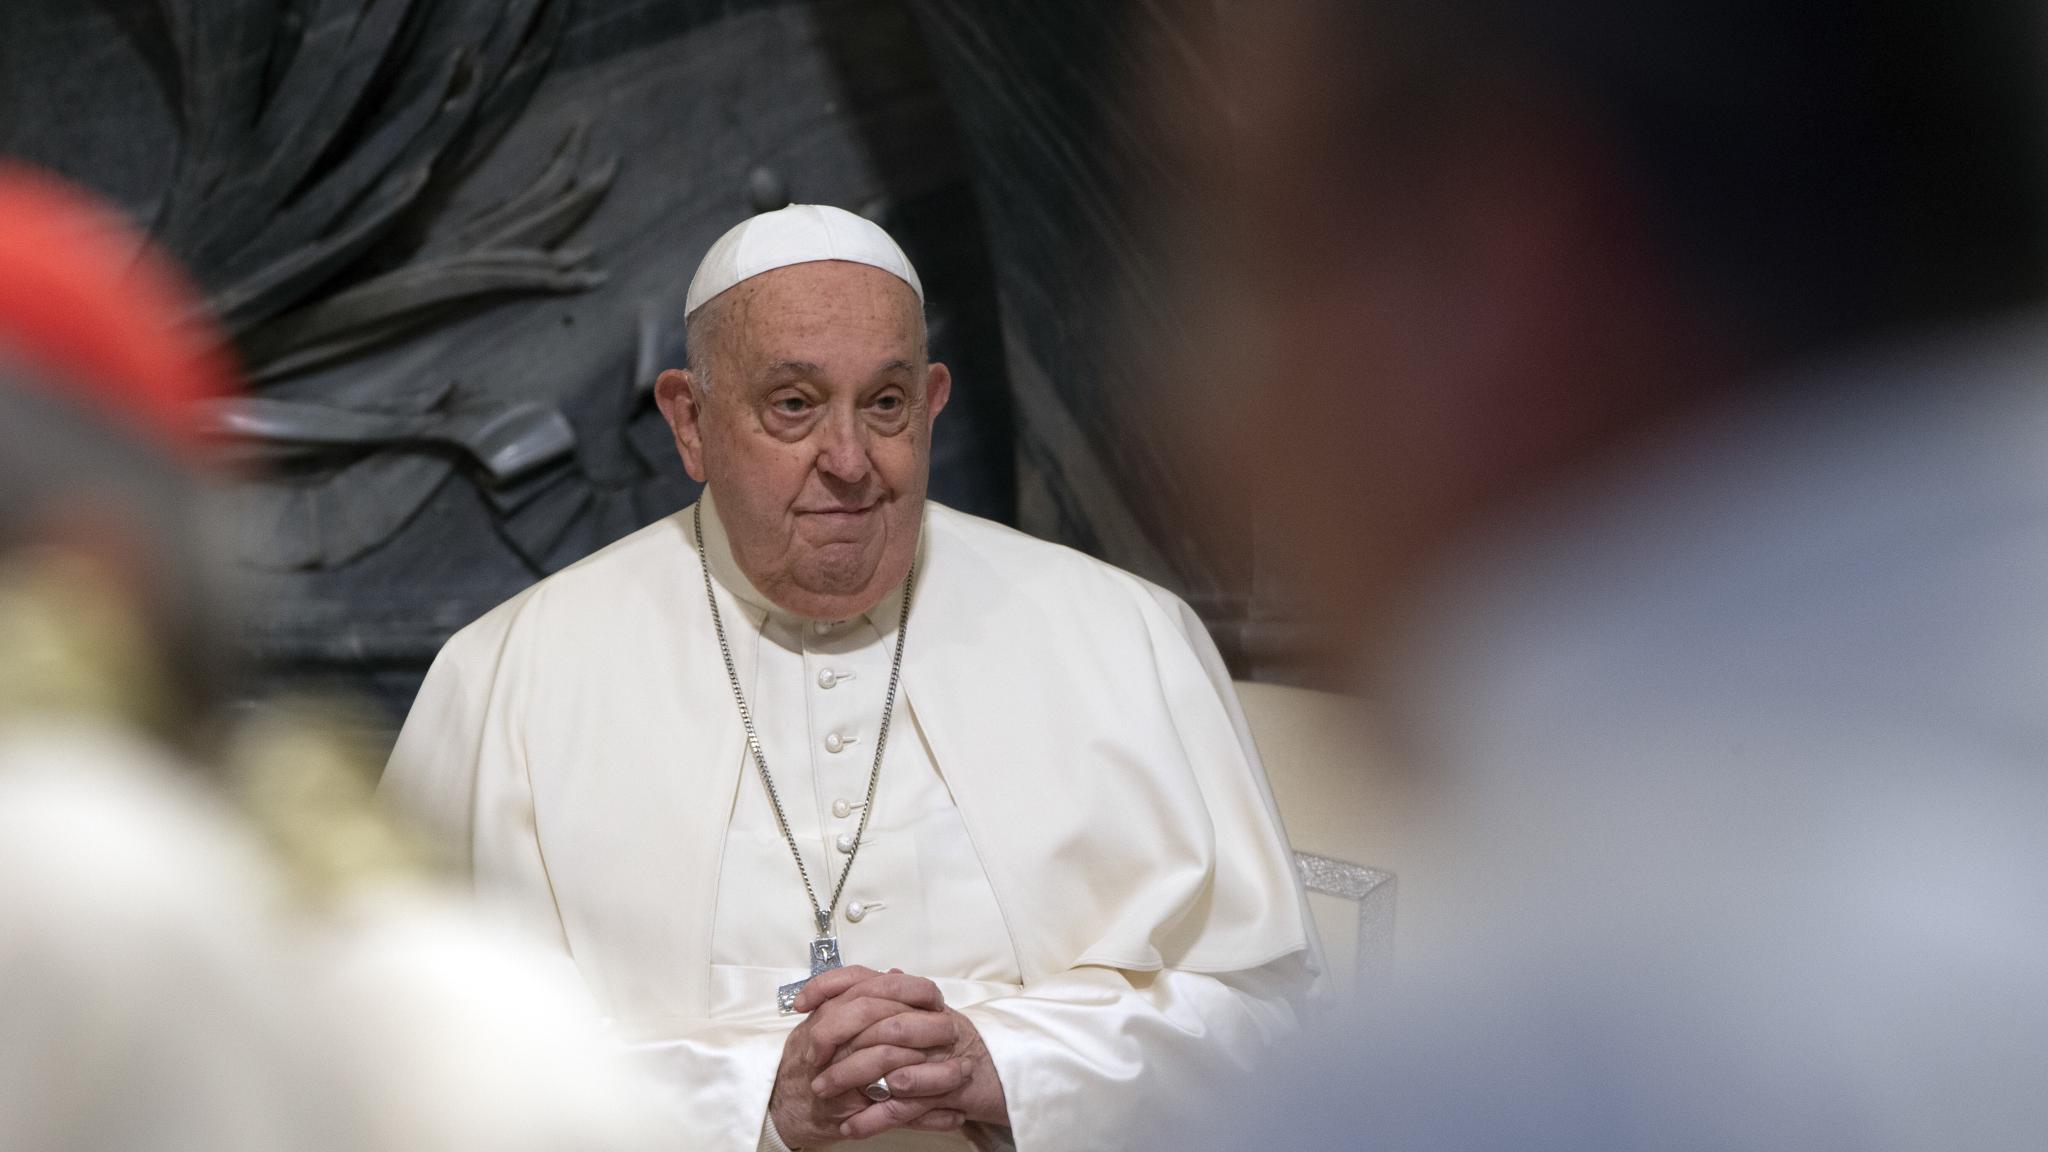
{"x":1119,"y":913}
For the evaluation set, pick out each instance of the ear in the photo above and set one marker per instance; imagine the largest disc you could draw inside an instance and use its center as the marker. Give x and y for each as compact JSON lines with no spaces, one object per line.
{"x":938,"y":388}
{"x":675,"y":393}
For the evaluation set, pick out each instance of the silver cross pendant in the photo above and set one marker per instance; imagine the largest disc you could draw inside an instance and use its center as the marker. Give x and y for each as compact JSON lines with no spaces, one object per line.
{"x":824,"y":958}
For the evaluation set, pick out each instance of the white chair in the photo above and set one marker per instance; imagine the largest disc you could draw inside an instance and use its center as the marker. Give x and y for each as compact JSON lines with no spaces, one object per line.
{"x":1335,"y":792}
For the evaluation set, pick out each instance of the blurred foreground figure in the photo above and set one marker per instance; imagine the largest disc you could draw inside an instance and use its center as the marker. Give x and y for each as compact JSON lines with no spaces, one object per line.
{"x":1657,"y":393}
{"x":178,"y":970}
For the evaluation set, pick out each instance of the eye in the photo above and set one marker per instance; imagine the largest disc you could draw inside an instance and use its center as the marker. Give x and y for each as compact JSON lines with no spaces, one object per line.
{"x":889,"y":402}
{"x":790,"y":405}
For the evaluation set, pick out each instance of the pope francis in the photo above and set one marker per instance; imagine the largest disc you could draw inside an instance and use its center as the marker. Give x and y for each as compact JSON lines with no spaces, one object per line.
{"x":864,"y":819}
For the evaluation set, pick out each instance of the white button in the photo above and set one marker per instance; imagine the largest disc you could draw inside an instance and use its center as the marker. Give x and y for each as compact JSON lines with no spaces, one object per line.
{"x":821,"y":626}
{"x":834,"y":742}
{"x":844,"y":843}
{"x":827,"y":678}
{"x":856,"y":911}
{"x":842,"y":809}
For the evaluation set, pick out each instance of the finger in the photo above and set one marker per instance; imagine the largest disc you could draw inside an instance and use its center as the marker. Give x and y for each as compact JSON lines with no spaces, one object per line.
{"x":931,"y":1078}
{"x":884,"y":1116}
{"x":908,"y":1030}
{"x":938,"y":1120}
{"x":847,"y":1017}
{"x":915,"y":991}
{"x":861,"y":1069}
{"x":853,"y":1009}
{"x":825,"y":985}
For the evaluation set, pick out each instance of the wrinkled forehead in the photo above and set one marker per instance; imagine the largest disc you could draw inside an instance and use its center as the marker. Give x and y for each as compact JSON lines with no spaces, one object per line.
{"x":825,"y":308}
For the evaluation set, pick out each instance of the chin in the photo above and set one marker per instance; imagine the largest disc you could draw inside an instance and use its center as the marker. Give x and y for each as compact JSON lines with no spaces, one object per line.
{"x":838,"y":570}
{"x":847,"y":578}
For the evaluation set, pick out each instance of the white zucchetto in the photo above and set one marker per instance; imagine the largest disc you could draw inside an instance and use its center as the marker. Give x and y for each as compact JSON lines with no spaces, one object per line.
{"x":797,"y":234}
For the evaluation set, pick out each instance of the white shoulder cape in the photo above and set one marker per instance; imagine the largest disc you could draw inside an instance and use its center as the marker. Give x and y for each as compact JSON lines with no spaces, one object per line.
{"x":582,"y":738}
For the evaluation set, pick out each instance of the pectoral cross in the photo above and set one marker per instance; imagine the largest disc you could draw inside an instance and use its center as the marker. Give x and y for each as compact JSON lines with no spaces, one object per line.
{"x":824,"y":958}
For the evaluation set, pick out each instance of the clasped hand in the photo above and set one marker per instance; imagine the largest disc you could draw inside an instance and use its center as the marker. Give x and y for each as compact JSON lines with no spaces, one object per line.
{"x":863,"y":1025}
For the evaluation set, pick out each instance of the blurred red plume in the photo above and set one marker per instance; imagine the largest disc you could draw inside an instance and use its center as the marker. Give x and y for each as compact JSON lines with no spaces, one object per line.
{"x":94,"y":312}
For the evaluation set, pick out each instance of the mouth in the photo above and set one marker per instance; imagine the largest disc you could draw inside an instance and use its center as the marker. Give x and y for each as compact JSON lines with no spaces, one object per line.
{"x":839,"y":515}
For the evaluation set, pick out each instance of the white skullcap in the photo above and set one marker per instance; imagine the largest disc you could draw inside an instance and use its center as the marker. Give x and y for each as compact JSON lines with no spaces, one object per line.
{"x":797,"y":234}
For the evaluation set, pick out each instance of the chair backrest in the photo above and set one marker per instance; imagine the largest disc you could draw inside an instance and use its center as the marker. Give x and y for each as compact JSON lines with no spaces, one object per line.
{"x":1335,"y":791}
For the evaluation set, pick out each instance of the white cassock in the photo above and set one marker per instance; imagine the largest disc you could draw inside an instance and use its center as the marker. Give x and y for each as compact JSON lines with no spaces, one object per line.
{"x":1072,"y":834}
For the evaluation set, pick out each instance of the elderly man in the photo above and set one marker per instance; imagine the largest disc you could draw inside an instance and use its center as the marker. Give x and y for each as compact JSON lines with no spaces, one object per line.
{"x":816,"y":717}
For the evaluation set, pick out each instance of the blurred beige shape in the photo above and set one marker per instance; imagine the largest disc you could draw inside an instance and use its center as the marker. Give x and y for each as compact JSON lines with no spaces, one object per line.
{"x":139,"y":969}
{"x":166,"y":984}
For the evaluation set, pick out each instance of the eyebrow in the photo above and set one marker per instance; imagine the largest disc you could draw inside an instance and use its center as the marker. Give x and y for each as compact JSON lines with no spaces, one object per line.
{"x":783,"y":368}
{"x":786,"y":369}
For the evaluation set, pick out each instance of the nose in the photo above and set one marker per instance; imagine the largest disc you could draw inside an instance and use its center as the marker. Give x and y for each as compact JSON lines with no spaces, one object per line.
{"x":843,"y":450}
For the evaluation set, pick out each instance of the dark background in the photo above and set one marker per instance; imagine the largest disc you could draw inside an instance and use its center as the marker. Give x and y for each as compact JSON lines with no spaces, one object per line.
{"x":451,"y":240}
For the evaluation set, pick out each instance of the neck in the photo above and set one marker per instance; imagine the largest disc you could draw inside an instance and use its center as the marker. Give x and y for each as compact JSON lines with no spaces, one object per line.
{"x":809,"y":605}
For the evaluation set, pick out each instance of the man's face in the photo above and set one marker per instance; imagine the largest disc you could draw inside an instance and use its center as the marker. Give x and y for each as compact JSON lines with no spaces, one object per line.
{"x":814,"y":434}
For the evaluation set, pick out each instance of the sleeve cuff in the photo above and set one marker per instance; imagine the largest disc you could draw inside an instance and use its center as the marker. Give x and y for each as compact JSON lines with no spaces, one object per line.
{"x":771,"y":1140}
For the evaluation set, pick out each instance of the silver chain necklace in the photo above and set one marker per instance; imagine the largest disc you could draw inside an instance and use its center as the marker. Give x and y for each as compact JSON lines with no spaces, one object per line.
{"x":824,"y":949}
